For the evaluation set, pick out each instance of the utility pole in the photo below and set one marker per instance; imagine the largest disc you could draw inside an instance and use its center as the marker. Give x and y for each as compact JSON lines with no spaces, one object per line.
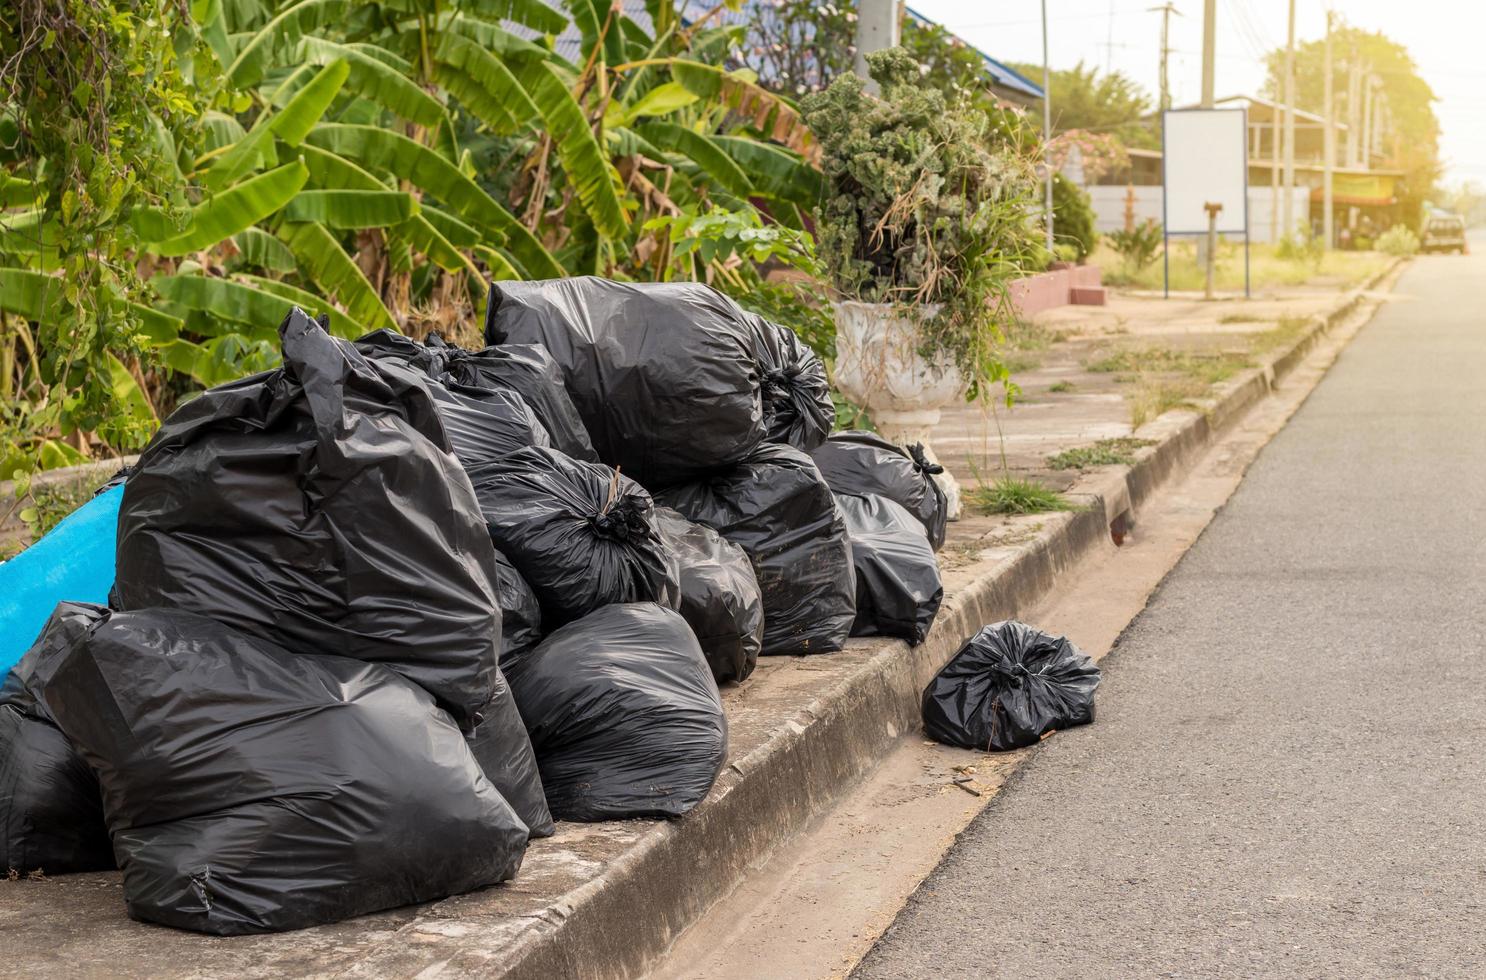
{"x":1354,"y":107}
{"x":1327,"y":210}
{"x":1367,"y":112}
{"x":1047,"y":127}
{"x":1166,"y":10}
{"x":1274,"y":173}
{"x":1209,"y":46}
{"x":1289,"y":181}
{"x":877,"y":28}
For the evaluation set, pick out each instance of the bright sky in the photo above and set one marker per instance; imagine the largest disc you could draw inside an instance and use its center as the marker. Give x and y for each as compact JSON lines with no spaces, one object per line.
{"x":1447,"y":39}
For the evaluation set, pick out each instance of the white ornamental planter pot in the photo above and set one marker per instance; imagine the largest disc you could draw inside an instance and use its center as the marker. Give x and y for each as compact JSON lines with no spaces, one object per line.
{"x":878,"y":367}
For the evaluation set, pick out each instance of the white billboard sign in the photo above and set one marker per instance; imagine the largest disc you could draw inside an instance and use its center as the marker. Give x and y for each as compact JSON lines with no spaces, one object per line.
{"x":1205,"y":155}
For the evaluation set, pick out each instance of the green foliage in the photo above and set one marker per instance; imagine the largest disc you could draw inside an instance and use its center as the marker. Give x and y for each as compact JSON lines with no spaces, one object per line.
{"x":1302,"y":247}
{"x":923,"y":206}
{"x":173,"y":176}
{"x":1113,"y":102}
{"x":1013,"y":495}
{"x":1073,"y":219}
{"x":1118,"y":451}
{"x":1137,"y":247}
{"x":1398,"y":240}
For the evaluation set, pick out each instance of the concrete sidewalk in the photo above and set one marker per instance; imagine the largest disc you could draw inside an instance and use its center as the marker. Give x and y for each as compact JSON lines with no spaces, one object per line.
{"x":607,"y":899}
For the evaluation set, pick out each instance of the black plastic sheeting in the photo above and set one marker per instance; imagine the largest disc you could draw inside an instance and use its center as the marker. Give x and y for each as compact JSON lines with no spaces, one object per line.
{"x":529,"y":371}
{"x":862,"y":463}
{"x":798,"y":410}
{"x":501,"y":746}
{"x":665,"y":375}
{"x":624,"y":715}
{"x":1009,"y":685}
{"x":318,"y":506}
{"x":579,"y":533}
{"x":269,"y":790}
{"x":778,"y":509}
{"x":898,"y":585}
{"x":521,"y":613}
{"x":51,"y":815}
{"x":719,"y":595}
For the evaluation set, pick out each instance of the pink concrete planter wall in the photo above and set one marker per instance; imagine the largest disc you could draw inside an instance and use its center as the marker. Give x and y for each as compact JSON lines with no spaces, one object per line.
{"x":1060,"y":285}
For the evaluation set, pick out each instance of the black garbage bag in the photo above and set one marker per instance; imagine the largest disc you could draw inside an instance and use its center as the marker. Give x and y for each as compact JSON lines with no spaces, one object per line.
{"x":318,"y":506}
{"x":718,"y":595}
{"x":898,"y":586}
{"x":624,"y":715}
{"x":665,"y":375}
{"x":529,"y":371}
{"x":250,"y":789}
{"x":482,"y":422}
{"x":861,"y":463}
{"x":1008,"y":686}
{"x":581,"y":535}
{"x":798,"y":410}
{"x":521,"y":613}
{"x":501,"y":746}
{"x":775,"y":506}
{"x":51,"y":816}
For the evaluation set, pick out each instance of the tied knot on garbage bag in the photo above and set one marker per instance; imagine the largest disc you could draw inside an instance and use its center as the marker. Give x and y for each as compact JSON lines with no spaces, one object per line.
{"x":623,"y":518}
{"x":922,"y":462}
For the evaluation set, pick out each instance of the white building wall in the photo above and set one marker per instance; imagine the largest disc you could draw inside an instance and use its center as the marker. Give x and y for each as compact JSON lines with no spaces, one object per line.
{"x":1109,"y":208}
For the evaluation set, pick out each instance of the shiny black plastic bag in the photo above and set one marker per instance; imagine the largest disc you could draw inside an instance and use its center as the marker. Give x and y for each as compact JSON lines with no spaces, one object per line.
{"x":1008,"y":686}
{"x":798,"y":410}
{"x":250,"y":789}
{"x":521,"y":613}
{"x":863,"y":463}
{"x":624,"y":715}
{"x":718,"y":595}
{"x":898,"y":586}
{"x":482,"y":422}
{"x":775,"y":506}
{"x":664,"y":375}
{"x":581,"y":535}
{"x":51,"y":816}
{"x":319,"y":506}
{"x":502,"y":747}
{"x":530,"y":371}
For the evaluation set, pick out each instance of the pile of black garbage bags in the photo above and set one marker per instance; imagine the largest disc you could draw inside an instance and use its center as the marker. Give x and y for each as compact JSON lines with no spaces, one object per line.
{"x":382,"y":614}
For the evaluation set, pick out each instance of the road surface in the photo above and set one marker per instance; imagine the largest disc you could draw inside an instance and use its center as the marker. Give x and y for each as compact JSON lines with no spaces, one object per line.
{"x":1287,"y":776}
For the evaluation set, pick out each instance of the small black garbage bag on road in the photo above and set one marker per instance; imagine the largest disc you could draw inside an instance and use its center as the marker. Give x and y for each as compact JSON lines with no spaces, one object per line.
{"x":624,"y":715}
{"x":51,"y":817}
{"x":501,"y":746}
{"x":483,"y":422}
{"x":719,"y":596}
{"x":529,"y":371}
{"x":318,"y":506}
{"x":250,"y":789}
{"x":581,"y":535}
{"x":775,"y":506}
{"x":1008,"y":686}
{"x":798,"y":410}
{"x":898,"y":586}
{"x":664,"y":375}
{"x":861,"y":463}
{"x":521,"y":613}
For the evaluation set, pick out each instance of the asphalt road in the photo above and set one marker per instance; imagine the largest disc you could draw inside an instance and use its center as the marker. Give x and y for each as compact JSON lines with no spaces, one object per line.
{"x":1287,"y":776}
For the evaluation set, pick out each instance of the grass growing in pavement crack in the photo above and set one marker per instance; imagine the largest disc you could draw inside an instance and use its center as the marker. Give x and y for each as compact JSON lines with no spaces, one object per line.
{"x":1012,"y":495}
{"x":1105,"y":452}
{"x":1061,"y":387}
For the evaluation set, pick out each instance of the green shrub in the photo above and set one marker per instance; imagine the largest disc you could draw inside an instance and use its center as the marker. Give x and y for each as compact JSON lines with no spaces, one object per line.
{"x":1136,"y":247}
{"x":1073,"y":221}
{"x":1398,"y":240}
{"x":1301,"y":247}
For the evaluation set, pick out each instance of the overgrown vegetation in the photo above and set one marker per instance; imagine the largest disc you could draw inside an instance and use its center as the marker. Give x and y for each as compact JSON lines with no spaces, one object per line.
{"x":1016,"y":495}
{"x":1119,"y":451}
{"x":1398,"y":241}
{"x":924,"y":205}
{"x":1136,"y":247}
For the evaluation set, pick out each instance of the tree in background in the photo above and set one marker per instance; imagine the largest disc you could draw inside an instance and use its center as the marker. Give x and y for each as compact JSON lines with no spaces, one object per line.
{"x":1411,"y":143}
{"x":1112,"y":103}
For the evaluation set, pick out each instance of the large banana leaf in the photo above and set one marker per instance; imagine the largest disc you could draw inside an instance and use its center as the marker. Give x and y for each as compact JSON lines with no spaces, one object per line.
{"x":483,"y":84}
{"x":128,"y":397}
{"x":289,"y":124}
{"x":340,"y":324}
{"x":702,"y":151}
{"x":588,"y":169}
{"x":378,"y":75}
{"x":253,"y":308}
{"x":17,"y":191}
{"x":593,"y":17}
{"x":532,"y":13}
{"x":775,"y":171}
{"x":240,"y":206}
{"x":279,"y":36}
{"x":261,"y":250}
{"x":497,"y":40}
{"x":380,"y":149}
{"x":322,"y":257}
{"x":352,"y":209}
{"x":771,"y":115}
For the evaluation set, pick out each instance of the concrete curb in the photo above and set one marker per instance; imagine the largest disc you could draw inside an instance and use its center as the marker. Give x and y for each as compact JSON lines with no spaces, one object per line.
{"x":675,"y":871}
